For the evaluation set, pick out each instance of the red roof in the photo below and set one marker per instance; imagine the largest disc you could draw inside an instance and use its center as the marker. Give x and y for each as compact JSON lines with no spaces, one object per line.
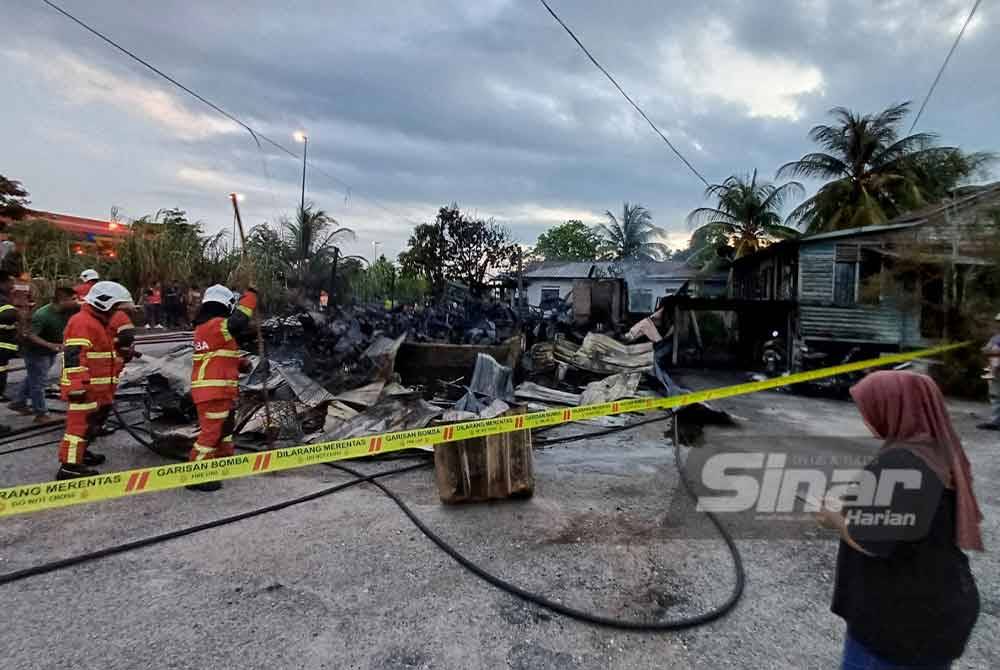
{"x":77,"y":225}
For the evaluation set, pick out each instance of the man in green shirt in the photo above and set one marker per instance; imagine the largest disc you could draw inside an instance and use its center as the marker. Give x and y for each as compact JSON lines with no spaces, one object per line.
{"x":39,"y":347}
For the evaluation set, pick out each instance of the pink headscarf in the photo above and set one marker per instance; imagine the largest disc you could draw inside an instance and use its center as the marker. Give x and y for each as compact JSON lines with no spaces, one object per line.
{"x":907,"y":410}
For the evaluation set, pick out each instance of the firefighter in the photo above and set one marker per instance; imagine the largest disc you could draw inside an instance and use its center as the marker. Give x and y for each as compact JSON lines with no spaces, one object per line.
{"x":87,"y":280}
{"x":8,"y":334}
{"x":215,"y":371}
{"x":88,"y":378}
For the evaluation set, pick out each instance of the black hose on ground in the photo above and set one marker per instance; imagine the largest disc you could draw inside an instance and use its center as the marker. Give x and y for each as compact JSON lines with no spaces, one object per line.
{"x":53,"y":441}
{"x":598,"y":433}
{"x":565,"y":610}
{"x":60,"y":564}
{"x":468,"y":564}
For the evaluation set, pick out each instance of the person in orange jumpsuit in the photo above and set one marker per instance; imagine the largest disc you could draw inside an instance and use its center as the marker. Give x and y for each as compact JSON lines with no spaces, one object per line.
{"x":88,"y":378}
{"x":87,"y":280}
{"x":215,"y":371}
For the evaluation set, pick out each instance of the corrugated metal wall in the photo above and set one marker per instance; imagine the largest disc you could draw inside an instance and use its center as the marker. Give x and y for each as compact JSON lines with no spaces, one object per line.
{"x":820,"y":319}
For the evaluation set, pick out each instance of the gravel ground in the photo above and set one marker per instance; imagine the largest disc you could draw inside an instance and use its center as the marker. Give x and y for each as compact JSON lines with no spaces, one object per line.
{"x":347,"y":582}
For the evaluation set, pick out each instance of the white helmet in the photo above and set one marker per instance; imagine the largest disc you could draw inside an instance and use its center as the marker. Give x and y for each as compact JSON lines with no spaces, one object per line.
{"x":89,"y":275}
{"x":221,"y":295}
{"x":104,"y":295}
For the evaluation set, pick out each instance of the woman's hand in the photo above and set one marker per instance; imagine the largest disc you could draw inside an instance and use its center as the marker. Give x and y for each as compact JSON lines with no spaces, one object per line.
{"x":830,"y":519}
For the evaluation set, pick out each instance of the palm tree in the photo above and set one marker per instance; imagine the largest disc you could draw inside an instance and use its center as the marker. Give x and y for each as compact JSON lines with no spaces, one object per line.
{"x":875,"y":173}
{"x":747,"y":213}
{"x":310,"y":243}
{"x":633,"y":236}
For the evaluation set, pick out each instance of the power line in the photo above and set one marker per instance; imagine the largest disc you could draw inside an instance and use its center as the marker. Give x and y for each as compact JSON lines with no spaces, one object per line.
{"x":622,"y":91}
{"x":944,"y":65}
{"x":256,"y":135}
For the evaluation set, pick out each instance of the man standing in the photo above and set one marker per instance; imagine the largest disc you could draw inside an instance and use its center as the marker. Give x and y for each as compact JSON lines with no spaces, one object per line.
{"x":152,"y":306}
{"x":41,"y":344}
{"x":215,"y":371}
{"x":88,"y":376}
{"x":8,"y":332}
{"x":87,"y":280}
{"x":992,"y":351}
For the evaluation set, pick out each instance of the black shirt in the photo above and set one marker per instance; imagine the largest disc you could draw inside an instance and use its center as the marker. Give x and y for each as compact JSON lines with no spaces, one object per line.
{"x":915,"y":600}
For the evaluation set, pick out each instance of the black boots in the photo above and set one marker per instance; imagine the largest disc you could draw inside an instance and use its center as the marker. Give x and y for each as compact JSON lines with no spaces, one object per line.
{"x":91,"y":459}
{"x":75,"y":471}
{"x":205,"y":486}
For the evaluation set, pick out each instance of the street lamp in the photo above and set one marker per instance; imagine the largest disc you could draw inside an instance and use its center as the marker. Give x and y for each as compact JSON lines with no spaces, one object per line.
{"x":300,"y":136}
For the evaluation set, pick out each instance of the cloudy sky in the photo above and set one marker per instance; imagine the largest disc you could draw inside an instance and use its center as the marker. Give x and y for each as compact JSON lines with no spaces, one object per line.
{"x":418,"y":103}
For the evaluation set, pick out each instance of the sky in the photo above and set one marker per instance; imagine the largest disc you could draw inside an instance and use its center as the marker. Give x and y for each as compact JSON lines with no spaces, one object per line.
{"x":413,"y":105}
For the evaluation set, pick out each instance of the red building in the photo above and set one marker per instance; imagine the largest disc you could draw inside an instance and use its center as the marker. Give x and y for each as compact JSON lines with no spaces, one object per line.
{"x":88,"y":236}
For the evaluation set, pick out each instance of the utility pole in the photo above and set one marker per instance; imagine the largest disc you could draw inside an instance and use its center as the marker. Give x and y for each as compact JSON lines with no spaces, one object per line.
{"x":238,"y":221}
{"x":302,"y":137}
{"x":333,"y":277}
{"x":261,"y":353}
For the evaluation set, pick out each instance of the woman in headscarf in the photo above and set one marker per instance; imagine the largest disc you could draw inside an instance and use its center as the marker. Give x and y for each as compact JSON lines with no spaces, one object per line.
{"x":903,"y":581}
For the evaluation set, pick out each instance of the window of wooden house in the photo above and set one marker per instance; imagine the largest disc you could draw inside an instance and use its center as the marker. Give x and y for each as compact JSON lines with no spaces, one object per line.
{"x":640,"y":300}
{"x":869,"y":277}
{"x":550,"y":294}
{"x":857,"y":275}
{"x":845,"y":274}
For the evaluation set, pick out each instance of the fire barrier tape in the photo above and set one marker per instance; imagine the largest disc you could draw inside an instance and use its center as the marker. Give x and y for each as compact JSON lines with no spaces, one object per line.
{"x":50,"y":495}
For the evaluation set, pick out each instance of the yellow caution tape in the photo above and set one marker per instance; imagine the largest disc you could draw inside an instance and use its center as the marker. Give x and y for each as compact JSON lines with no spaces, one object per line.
{"x":50,"y":495}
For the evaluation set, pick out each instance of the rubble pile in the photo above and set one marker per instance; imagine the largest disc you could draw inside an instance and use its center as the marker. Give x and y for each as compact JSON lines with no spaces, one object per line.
{"x":341,"y":373}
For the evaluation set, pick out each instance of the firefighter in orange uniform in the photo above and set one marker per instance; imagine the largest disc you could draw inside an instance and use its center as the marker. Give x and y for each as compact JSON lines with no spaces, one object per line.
{"x":88,"y":378}
{"x":215,"y":371}
{"x":122,"y":331}
{"x":87,"y":280}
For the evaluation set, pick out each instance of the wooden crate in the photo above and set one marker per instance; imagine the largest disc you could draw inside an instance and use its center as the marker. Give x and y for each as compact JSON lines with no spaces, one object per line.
{"x":485,"y":468}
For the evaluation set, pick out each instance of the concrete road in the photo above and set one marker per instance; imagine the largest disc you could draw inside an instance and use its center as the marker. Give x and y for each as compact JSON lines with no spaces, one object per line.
{"x":347,"y":582}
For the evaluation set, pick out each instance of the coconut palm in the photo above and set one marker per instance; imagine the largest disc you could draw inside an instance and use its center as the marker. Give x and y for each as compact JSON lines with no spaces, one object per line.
{"x":310,"y":243}
{"x":747,"y":213}
{"x":874,"y":173}
{"x":633,"y":237}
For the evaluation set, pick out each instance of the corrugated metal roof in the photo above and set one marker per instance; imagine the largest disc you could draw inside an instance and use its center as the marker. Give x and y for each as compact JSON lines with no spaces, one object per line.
{"x":864,"y":230}
{"x":581,"y":270}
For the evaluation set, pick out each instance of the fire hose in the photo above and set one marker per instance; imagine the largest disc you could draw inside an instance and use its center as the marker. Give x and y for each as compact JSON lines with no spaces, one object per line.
{"x":360,"y":478}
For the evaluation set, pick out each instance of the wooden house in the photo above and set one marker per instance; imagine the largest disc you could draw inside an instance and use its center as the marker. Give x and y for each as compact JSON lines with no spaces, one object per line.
{"x":884,"y":287}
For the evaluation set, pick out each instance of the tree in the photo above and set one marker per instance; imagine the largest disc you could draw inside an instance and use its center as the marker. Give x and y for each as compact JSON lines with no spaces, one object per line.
{"x":310,"y":245}
{"x":459,"y":248}
{"x":747,"y":213}
{"x":13,"y":199}
{"x":874,"y":173}
{"x":633,"y":237}
{"x":477,"y":247}
{"x":426,"y":252}
{"x":43,"y":250}
{"x":570,"y":241}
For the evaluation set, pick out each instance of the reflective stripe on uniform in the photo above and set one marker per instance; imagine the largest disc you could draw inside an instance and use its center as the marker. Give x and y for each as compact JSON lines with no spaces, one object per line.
{"x":74,"y":442}
{"x":82,"y":406}
{"x":224,"y":327}
{"x":8,"y":326}
{"x":218,"y":353}
{"x":100,"y":381}
{"x":227,"y":438}
{"x":127,"y":326}
{"x":4,"y":308}
{"x":78,"y":342}
{"x":8,"y":345}
{"x":216,"y":415}
{"x":246,"y":310}
{"x":202,"y":451}
{"x":204,"y":383}
{"x":3,"y":368}
{"x":100,"y":354}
